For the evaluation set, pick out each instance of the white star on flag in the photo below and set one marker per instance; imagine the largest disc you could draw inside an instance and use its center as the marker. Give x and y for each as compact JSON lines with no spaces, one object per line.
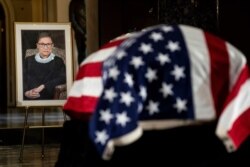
{"x":153,"y":107}
{"x":143,"y":92}
{"x":106,"y":116}
{"x":173,"y":46}
{"x":163,"y":58}
{"x":101,"y":137}
{"x":167,"y":28}
{"x":156,"y":36}
{"x":151,"y":74}
{"x":166,"y":89}
{"x":120,"y":54}
{"x":113,"y":73}
{"x":109,"y":94}
{"x":129,"y":80}
{"x":180,"y":105}
{"x":146,"y":48}
{"x":126,"y":98}
{"x":122,"y":118}
{"x":137,"y":62}
{"x":178,"y":72}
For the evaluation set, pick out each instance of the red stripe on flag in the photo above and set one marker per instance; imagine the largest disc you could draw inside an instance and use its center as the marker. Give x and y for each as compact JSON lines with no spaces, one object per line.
{"x":83,"y":104}
{"x":90,"y":70}
{"x":219,"y":65}
{"x":241,"y":128}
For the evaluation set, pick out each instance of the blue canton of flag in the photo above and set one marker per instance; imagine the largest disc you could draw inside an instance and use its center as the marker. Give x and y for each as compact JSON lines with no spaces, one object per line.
{"x":147,"y":78}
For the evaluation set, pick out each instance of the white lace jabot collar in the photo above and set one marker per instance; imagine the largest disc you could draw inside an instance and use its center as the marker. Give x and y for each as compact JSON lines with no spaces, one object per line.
{"x":45,"y":60}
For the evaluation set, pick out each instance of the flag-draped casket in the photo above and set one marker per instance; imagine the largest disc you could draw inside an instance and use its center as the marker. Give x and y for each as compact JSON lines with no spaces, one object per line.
{"x":161,"y":77}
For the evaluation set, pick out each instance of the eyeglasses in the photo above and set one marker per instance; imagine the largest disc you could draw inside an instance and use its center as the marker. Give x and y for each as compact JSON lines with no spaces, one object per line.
{"x":45,"y":45}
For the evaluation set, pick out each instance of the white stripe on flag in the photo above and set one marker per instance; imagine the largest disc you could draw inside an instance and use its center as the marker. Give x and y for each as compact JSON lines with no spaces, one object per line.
{"x":237,"y":63}
{"x":88,"y":86}
{"x":200,"y":69}
{"x":99,"y":56}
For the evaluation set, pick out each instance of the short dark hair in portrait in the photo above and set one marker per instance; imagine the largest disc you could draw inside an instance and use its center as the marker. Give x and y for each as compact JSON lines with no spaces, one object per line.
{"x":29,"y":38}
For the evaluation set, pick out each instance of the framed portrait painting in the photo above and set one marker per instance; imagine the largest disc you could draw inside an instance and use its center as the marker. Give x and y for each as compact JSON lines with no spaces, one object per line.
{"x":44,"y":68}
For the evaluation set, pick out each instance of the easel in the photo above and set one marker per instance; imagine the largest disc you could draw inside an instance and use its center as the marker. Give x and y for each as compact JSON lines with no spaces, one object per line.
{"x":26,"y":126}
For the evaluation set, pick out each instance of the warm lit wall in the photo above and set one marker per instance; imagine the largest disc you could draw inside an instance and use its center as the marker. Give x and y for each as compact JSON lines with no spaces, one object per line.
{"x":92,"y":25}
{"x":23,"y":10}
{"x":62,"y":10}
{"x":37,"y":10}
{"x":41,"y":10}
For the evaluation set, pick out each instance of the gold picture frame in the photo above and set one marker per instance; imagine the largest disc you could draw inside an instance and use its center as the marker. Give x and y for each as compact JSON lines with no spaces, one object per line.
{"x":26,"y":45}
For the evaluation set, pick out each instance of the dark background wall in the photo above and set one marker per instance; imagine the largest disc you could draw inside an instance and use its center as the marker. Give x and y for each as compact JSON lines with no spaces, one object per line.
{"x":117,"y":17}
{"x":235,"y":23}
{"x":230,"y":19}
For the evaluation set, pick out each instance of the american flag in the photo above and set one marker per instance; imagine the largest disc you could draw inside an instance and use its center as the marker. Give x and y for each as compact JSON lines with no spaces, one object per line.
{"x":162,"y":77}
{"x":166,"y":76}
